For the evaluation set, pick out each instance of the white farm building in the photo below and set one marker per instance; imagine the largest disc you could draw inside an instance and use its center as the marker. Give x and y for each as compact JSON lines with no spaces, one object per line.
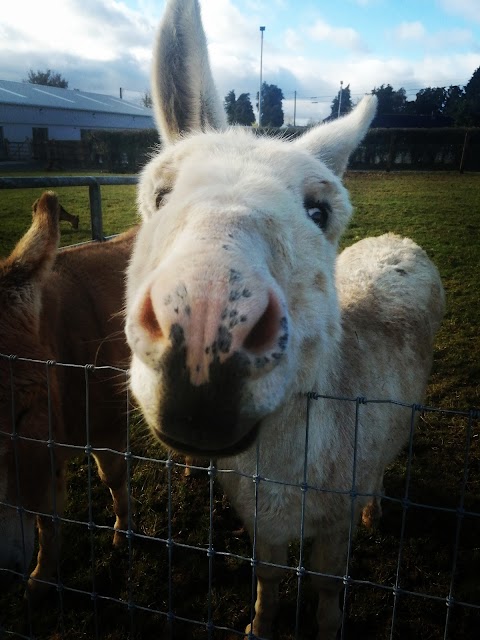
{"x":32,"y":115}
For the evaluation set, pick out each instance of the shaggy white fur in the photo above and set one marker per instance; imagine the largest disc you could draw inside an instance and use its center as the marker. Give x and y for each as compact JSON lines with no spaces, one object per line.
{"x":237,"y":305}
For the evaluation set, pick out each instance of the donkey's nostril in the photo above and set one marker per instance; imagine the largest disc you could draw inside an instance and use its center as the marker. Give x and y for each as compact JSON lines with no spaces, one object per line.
{"x":148,"y":319}
{"x":265,"y":332}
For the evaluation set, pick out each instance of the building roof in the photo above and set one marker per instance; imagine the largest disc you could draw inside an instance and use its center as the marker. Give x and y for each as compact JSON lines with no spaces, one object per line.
{"x":35,"y":95}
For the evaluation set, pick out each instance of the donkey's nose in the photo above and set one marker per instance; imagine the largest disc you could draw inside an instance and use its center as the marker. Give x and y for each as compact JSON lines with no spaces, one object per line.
{"x":214,"y":324}
{"x":268,"y":330}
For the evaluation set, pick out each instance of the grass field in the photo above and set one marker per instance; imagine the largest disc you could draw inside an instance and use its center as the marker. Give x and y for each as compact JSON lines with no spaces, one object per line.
{"x":441,"y":212}
{"x":118,"y":207}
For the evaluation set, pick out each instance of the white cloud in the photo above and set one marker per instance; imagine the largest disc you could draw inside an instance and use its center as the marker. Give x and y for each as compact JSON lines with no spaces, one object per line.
{"x":293,"y":40}
{"x":409,"y":31}
{"x":451,"y":37}
{"x":467,"y":9}
{"x":88,"y":30}
{"x":344,"y":37}
{"x":233,"y":42}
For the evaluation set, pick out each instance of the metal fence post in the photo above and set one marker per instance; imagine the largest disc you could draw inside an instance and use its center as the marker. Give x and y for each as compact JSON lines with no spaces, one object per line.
{"x":464,"y":151}
{"x":96,"y":211}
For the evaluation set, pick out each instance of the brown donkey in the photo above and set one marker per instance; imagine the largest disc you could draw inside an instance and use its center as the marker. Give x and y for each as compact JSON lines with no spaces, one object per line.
{"x":65,"y":307}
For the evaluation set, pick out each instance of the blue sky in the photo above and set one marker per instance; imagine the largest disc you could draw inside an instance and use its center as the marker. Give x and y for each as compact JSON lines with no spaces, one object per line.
{"x":309,"y":46}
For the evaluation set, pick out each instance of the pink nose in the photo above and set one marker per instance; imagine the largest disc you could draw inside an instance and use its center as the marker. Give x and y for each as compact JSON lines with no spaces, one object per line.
{"x":217,"y":324}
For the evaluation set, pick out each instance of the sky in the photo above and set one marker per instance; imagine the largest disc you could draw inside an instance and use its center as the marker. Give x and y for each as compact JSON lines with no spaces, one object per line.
{"x":309,"y":46}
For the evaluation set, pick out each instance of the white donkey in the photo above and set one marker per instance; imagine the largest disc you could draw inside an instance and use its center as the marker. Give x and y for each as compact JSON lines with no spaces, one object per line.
{"x":237,"y":305}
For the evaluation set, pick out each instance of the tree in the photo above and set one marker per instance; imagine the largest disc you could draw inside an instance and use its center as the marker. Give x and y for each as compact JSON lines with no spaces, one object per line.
{"x":272,"y":110}
{"x":431,"y":101}
{"x":229,"y":106}
{"x":470,"y":109}
{"x":147,"y":99}
{"x":244,"y":110}
{"x":389,"y":100}
{"x":47,"y":78}
{"x":453,"y":102}
{"x":239,"y":110}
{"x":344,"y":99}
{"x":437,"y":101}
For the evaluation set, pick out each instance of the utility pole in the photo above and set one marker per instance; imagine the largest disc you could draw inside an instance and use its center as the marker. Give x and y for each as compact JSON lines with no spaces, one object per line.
{"x":121,"y":93}
{"x":340,"y":98}
{"x":294,"y":106}
{"x":262,"y":29}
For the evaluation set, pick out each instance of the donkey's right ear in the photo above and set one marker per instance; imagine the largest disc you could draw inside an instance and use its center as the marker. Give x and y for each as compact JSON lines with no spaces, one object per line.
{"x":183,"y":92}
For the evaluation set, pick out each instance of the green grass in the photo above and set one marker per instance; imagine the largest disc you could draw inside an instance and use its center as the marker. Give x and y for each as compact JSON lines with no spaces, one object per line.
{"x":118,"y":208}
{"x":441,"y":212}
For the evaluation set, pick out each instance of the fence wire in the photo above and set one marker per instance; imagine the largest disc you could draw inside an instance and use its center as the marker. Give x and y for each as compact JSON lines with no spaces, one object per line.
{"x":187,"y":569}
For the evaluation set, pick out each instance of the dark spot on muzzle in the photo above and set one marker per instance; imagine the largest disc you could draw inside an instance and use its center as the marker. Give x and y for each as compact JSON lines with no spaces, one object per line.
{"x":205,"y":418}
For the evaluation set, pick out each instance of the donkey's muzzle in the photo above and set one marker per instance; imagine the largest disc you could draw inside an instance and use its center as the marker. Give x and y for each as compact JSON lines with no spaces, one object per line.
{"x":208,"y":443}
{"x":207,"y":418}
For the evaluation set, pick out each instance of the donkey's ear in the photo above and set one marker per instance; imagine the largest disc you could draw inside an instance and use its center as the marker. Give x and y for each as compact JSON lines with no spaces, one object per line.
{"x":183,"y":92}
{"x":334,"y":142}
{"x":32,"y":258}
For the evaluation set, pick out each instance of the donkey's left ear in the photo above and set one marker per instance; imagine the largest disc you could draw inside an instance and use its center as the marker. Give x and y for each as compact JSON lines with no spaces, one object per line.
{"x":334,"y":142}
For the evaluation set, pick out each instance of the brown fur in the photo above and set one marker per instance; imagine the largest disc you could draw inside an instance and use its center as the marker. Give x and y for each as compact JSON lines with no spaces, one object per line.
{"x":63,"y":307}
{"x":68,"y":217}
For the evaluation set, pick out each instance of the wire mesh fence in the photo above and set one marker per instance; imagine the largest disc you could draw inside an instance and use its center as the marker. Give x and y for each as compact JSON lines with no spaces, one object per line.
{"x":186,"y":566}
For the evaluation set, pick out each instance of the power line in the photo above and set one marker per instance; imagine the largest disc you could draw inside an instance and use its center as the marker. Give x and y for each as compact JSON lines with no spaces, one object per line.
{"x":304,"y":96}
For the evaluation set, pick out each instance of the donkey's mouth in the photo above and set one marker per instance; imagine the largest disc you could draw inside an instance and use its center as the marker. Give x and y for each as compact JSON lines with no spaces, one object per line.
{"x":206,"y":448}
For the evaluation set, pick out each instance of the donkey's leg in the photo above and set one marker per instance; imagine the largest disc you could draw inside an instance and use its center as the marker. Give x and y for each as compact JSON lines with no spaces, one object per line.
{"x":192,"y":461}
{"x":48,"y":542}
{"x":189,"y":460}
{"x":112,"y":469}
{"x":268,"y":580}
{"x":329,"y":553}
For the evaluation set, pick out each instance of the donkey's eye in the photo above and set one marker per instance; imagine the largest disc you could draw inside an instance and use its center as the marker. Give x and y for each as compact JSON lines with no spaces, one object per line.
{"x":318,"y":212}
{"x":159,"y":197}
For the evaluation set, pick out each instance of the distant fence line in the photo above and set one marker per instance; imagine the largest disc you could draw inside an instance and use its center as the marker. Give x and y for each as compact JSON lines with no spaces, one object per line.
{"x":422,"y":149}
{"x":454,"y":149}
